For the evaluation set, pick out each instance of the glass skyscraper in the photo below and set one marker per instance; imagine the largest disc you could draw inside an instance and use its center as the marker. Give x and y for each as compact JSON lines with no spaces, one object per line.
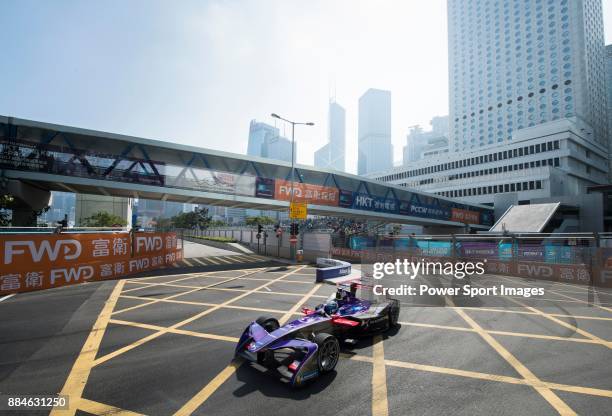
{"x":375,"y":151}
{"x":332,"y":155}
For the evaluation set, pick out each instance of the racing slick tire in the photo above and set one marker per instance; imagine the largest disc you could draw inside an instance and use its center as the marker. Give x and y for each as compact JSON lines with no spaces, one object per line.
{"x":268,"y":323}
{"x":393,"y":314}
{"x":328,"y":353}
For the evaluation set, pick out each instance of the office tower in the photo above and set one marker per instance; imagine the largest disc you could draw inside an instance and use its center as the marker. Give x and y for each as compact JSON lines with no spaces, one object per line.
{"x":277,"y":148}
{"x":423,"y":144}
{"x":527,"y":104}
{"x":375,"y":151}
{"x":265,"y":141}
{"x":332,"y":154}
{"x":517,"y":64}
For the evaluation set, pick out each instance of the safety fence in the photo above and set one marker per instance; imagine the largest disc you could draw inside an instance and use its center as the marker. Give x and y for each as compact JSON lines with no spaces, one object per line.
{"x":42,"y":260}
{"x":583,"y":258}
{"x":271,"y":243}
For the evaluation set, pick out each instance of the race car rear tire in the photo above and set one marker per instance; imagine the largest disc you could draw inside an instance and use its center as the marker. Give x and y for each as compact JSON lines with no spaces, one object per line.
{"x":328,"y":352}
{"x":393,"y":314}
{"x":268,"y":323}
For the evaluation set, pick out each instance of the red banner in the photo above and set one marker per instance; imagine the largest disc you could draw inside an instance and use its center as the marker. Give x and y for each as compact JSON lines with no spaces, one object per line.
{"x":465,"y":216}
{"x":42,"y":261}
{"x":305,"y":192}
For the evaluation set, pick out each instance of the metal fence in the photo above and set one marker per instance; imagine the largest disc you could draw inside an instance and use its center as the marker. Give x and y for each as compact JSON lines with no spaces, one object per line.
{"x":579,"y":257}
{"x":314,"y":244}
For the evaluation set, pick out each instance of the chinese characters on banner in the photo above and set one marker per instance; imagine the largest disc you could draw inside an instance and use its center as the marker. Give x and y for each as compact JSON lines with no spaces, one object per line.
{"x":465,"y":216}
{"x":304,"y":192}
{"x":33,"y":262}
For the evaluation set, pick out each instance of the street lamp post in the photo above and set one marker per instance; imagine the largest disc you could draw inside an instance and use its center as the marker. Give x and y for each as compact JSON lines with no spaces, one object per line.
{"x":293,"y":124}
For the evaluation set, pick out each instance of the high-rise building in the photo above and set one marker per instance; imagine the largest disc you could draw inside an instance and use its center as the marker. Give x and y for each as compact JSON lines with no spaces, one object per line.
{"x":527,"y":104}
{"x":332,"y":154}
{"x":421,"y":144}
{"x":375,"y":151}
{"x":609,"y":101}
{"x":265,"y":141}
{"x":517,"y":64}
{"x":277,"y":148}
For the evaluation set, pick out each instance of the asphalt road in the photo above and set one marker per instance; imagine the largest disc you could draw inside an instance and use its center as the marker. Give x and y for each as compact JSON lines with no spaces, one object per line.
{"x":163,"y":345}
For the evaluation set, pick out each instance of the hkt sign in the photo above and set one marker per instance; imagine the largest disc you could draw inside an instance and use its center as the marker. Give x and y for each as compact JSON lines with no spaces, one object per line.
{"x":32,"y":262}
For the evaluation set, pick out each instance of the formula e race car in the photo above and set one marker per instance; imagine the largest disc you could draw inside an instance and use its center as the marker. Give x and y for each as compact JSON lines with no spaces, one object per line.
{"x":310,"y":346}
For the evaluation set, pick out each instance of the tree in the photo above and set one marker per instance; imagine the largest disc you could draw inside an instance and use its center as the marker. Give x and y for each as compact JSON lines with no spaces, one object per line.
{"x":199,"y":218}
{"x":259,"y":220}
{"x":6,"y":202}
{"x":163,"y":223}
{"x":104,"y":219}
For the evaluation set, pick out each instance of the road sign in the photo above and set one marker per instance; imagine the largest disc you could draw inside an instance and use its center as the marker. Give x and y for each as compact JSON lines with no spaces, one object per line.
{"x":293,"y":239}
{"x":298,"y":210}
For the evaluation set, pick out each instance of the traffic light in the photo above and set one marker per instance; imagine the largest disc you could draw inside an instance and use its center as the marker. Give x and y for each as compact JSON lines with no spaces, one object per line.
{"x":259,"y":228}
{"x":295,"y":228}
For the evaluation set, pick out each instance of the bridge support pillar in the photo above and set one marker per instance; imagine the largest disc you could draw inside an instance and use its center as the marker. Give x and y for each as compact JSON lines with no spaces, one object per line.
{"x":29,"y":203}
{"x":87,"y":205}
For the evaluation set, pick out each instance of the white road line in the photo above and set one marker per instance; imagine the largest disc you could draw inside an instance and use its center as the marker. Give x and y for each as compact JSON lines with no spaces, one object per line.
{"x":7,"y":296}
{"x":199,"y":261}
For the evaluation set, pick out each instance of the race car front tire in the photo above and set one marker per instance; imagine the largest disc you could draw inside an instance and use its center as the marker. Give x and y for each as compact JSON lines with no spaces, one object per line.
{"x":328,"y":352}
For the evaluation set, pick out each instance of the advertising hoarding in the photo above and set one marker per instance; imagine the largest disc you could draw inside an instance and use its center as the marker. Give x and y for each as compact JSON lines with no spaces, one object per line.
{"x":305,"y":192}
{"x":34,"y":261}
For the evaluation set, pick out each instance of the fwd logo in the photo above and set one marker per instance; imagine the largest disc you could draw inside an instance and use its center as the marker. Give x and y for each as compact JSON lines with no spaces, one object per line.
{"x":535,"y":270}
{"x":69,"y":249}
{"x":72,"y":274}
{"x":149,"y":243}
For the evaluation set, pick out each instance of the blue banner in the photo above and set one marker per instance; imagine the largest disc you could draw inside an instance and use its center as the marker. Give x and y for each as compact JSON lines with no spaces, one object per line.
{"x":424,"y":210}
{"x":374,"y":203}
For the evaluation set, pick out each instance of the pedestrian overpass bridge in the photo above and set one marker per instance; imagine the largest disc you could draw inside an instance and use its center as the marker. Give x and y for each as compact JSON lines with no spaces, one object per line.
{"x":50,"y":157}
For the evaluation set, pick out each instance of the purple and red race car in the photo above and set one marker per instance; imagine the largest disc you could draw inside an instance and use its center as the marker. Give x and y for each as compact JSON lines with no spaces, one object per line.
{"x":310,"y":346}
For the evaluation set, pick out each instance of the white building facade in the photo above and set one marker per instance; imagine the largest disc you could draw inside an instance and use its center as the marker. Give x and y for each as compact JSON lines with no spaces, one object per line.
{"x":514,"y":64}
{"x":549,"y":160}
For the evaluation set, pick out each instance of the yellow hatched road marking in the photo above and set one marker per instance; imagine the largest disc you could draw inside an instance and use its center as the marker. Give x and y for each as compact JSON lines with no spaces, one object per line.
{"x":212,"y":260}
{"x":77,"y":378}
{"x":508,"y":333}
{"x":175,"y":331}
{"x":200,"y":262}
{"x":197,"y":400}
{"x":186,"y":302}
{"x":569,"y":297}
{"x":179,"y":324}
{"x":223,"y":260}
{"x":560,"y":406}
{"x":98,"y":408}
{"x":194,"y":289}
{"x":380,"y":406}
{"x":483,"y":376}
{"x":559,"y":315}
{"x":582,"y":332}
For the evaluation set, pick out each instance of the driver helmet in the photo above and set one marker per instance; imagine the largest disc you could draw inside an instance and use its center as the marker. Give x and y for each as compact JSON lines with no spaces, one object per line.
{"x":331,"y":307}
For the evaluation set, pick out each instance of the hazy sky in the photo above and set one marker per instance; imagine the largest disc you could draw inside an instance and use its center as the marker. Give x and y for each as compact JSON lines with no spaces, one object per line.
{"x":196,"y":72}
